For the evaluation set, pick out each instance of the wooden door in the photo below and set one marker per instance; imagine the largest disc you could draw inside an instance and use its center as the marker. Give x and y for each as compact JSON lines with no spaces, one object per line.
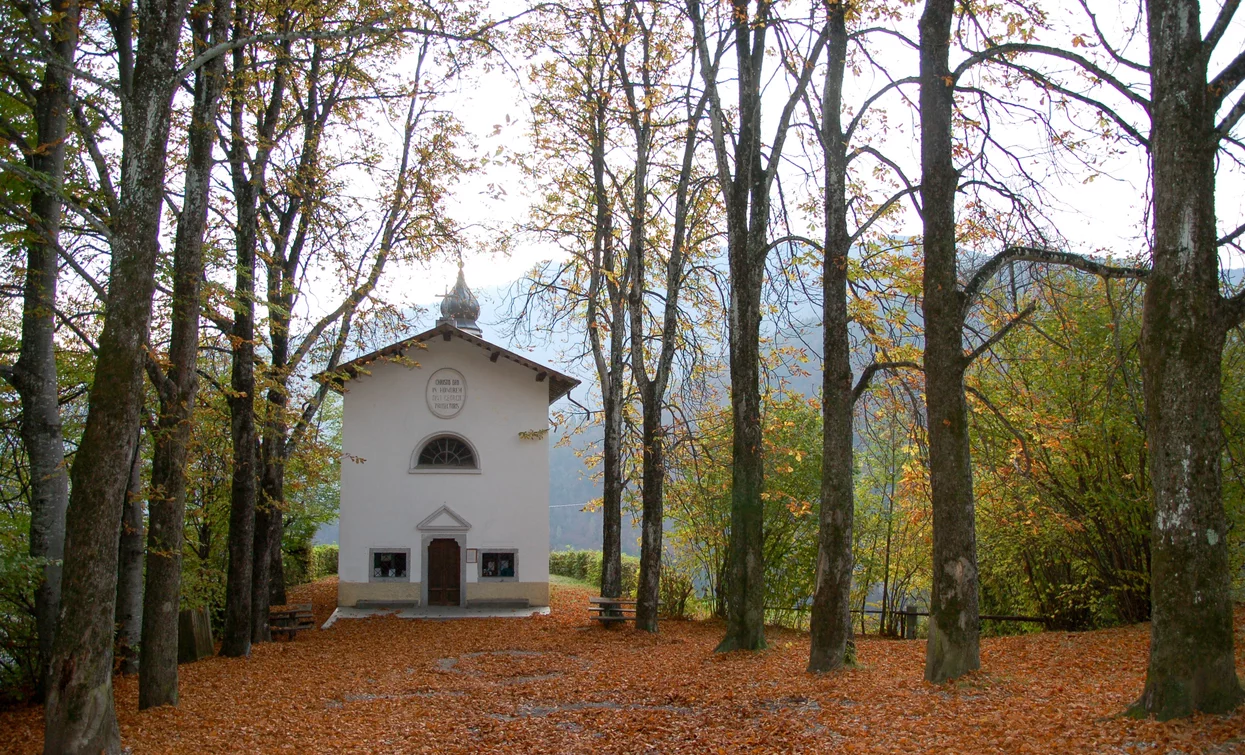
{"x":443,"y":573}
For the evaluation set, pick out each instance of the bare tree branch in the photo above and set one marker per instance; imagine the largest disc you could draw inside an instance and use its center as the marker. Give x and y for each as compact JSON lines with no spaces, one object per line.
{"x":1102,"y":40}
{"x":1050,"y":256}
{"x":867,"y":375}
{"x":1228,"y":79}
{"x":1221,"y":24}
{"x":1000,"y":334}
{"x":1024,"y":447}
{"x":1232,"y":117}
{"x":1000,"y":51}
{"x":1231,"y":236}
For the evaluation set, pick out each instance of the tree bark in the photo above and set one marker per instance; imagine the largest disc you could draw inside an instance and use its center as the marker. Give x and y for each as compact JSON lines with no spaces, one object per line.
{"x":276,"y":586}
{"x":1183,"y":330}
{"x":612,"y":483}
{"x":952,"y":649}
{"x":648,"y":589}
{"x":610,"y":364}
{"x":157,"y":682}
{"x":237,"y":636}
{"x":79,"y":714}
{"x":129,"y":612}
{"x":267,"y":529}
{"x":248,"y":176}
{"x":34,"y":373}
{"x":747,"y":216}
{"x":830,"y":625}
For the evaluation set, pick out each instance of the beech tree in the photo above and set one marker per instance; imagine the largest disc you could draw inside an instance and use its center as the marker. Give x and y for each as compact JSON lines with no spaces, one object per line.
{"x":745,"y":177}
{"x":79,"y":710}
{"x":301,"y":221}
{"x":664,"y":117}
{"x":176,"y":382}
{"x":841,"y":144}
{"x":52,"y":33}
{"x":954,"y":625}
{"x":247,"y":172}
{"x":1191,"y":119}
{"x":1184,"y":323}
{"x":571,"y":105}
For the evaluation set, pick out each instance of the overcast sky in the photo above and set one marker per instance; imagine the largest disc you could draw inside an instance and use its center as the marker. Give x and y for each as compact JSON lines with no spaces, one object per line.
{"x":1105,"y":215}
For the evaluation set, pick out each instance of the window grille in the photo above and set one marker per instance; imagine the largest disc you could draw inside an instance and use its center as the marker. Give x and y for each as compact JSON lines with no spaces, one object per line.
{"x":446,"y":452}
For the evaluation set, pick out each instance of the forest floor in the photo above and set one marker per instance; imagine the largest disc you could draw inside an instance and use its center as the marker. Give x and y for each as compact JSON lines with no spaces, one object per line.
{"x":559,"y":683}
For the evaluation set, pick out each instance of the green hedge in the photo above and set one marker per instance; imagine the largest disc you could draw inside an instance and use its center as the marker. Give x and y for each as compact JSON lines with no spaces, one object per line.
{"x":586,"y":566}
{"x":323,"y":561}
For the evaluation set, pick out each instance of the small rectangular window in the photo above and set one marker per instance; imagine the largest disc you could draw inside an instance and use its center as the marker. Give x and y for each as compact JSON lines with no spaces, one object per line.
{"x":497,"y":564}
{"x":388,"y":565}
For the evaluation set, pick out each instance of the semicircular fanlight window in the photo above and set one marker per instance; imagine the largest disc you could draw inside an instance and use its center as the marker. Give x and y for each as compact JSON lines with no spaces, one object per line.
{"x":446,"y":452}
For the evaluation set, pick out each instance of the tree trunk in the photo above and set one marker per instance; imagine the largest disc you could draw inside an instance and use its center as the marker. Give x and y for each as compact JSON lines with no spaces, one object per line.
{"x":243,"y":517}
{"x":648,"y":591}
{"x":747,"y":217}
{"x":267,"y":554}
{"x":609,"y":364}
{"x":236,"y":640}
{"x":267,"y":531}
{"x":34,"y":374}
{"x":612,"y":486}
{"x":276,"y":581}
{"x":953,"y":635}
{"x":1183,"y":330}
{"x":157,"y":682}
{"x":79,"y":713}
{"x":831,"y":620}
{"x":129,"y":611}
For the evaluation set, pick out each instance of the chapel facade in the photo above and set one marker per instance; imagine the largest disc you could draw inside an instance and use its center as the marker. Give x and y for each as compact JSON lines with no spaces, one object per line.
{"x":445,"y":469}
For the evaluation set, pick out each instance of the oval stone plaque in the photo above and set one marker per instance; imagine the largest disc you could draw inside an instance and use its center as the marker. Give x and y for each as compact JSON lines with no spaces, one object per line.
{"x":447,"y":393}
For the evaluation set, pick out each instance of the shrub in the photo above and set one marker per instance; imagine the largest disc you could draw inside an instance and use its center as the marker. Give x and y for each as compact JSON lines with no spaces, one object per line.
{"x":297,"y":566}
{"x":586,"y":566}
{"x":19,"y":645}
{"x":676,"y":590}
{"x":323,"y":562}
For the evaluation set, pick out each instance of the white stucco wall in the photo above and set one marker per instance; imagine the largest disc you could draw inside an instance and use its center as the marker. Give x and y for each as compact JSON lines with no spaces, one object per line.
{"x":386,"y":417}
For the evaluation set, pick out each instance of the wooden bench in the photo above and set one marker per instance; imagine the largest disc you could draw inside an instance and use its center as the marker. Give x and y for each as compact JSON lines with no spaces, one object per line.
{"x":290,"y":620}
{"x":611,"y":610}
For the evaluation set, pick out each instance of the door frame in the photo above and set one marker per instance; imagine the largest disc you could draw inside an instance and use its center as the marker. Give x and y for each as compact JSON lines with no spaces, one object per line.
{"x":425,"y":541}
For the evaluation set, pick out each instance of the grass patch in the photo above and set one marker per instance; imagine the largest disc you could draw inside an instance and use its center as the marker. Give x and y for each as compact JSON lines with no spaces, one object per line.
{"x":558,"y":579}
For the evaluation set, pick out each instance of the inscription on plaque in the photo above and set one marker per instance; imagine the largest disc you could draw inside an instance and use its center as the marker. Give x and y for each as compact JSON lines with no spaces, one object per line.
{"x":447,"y":393}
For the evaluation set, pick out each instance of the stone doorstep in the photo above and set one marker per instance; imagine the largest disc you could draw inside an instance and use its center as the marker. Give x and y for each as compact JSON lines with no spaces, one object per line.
{"x":440,"y":613}
{"x":499,"y":603}
{"x":478,"y":603}
{"x":391,"y":604}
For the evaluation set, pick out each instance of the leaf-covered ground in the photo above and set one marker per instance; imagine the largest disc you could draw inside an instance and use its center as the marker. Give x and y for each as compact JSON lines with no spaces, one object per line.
{"x":558,"y":683}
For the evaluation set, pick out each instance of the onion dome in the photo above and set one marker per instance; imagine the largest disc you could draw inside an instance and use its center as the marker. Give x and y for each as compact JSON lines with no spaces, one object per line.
{"x":459,"y":307}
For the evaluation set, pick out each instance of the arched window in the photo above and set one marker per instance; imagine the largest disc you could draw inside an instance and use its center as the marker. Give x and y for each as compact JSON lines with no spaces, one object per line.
{"x":446,"y":452}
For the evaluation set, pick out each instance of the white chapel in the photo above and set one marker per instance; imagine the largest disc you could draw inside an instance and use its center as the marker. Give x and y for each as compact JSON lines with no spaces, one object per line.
{"x":445,"y":469}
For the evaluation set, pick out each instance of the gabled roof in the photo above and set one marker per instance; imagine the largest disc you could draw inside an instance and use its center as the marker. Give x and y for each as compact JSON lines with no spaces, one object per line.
{"x":559,"y":384}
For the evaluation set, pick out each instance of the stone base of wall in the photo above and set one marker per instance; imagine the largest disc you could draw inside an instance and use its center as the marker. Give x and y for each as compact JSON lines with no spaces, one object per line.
{"x":350,"y":593}
{"x":535,"y":593}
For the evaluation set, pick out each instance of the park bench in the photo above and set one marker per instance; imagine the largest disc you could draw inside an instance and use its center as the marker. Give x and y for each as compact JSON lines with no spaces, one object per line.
{"x":290,"y":620}
{"x":610,"y":610}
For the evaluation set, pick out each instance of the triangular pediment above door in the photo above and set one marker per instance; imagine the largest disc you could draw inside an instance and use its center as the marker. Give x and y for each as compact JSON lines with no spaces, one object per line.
{"x":443,"y":520}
